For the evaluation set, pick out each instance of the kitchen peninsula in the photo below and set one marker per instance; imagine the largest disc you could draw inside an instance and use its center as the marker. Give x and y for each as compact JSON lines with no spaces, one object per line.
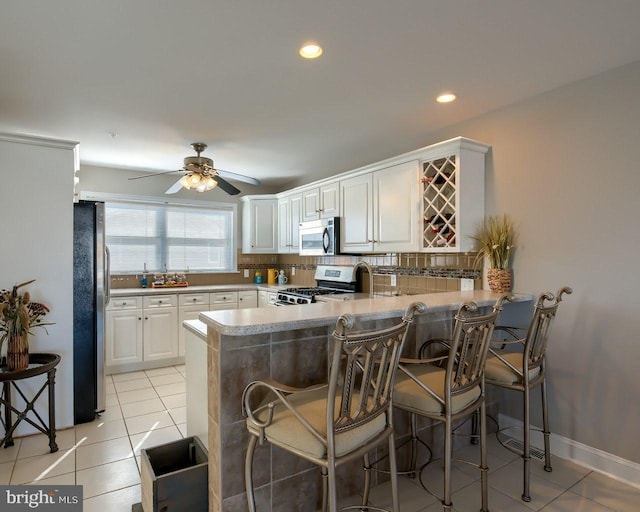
{"x":291,"y":345}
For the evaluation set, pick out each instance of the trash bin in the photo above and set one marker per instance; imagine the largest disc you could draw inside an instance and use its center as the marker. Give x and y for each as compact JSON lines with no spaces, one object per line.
{"x":174,"y":477}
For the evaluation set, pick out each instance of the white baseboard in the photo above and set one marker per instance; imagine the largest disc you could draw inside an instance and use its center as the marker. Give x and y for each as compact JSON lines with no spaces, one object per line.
{"x":597,"y":460}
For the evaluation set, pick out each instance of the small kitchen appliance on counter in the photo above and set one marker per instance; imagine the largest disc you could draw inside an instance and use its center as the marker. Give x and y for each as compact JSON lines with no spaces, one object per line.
{"x":332,"y":282}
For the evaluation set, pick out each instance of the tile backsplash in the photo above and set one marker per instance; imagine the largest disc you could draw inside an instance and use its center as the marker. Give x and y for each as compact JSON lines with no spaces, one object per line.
{"x":394,"y":273}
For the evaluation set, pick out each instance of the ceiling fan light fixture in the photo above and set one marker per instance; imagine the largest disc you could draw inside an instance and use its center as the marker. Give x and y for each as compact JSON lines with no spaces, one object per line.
{"x":210,"y":183}
{"x":194,"y":179}
{"x":184,"y":181}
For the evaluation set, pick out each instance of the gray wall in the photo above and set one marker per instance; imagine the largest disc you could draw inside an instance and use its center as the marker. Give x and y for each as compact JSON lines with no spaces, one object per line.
{"x":566,"y":167}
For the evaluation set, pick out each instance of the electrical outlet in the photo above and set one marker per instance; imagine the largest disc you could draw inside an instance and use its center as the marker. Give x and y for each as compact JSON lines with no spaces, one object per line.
{"x":394,"y":280}
{"x":466,"y":285}
{"x":246,"y":272}
{"x":293,"y":271}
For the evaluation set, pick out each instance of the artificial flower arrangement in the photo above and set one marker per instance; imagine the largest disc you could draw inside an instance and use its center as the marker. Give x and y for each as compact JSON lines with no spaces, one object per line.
{"x":495,"y":239}
{"x":18,"y":316}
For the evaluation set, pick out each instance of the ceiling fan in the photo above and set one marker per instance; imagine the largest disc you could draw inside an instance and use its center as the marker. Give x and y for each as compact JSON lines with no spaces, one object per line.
{"x":201,"y":175}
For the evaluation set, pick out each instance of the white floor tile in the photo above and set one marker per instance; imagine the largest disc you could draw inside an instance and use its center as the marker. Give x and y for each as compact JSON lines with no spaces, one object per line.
{"x":98,"y":431}
{"x":116,"y":501}
{"x":508,"y":480}
{"x":43,"y":466}
{"x":171,"y":389}
{"x":138,"y":395}
{"x":412,"y":497}
{"x":112,"y":399}
{"x":470,"y":498}
{"x":175,"y":401}
{"x":179,"y":415}
{"x":65,"y":479}
{"x":144,"y":407}
{"x":6,"y":468}
{"x":155,"y":438}
{"x":108,"y":477}
{"x":182,"y":427}
{"x":11,"y":453}
{"x":570,"y":502}
{"x":608,"y":492}
{"x":160,"y":380}
{"x":130,"y":385}
{"x":121,"y":377}
{"x":109,"y":387}
{"x":38,"y":444}
{"x":148,"y":422}
{"x":111,"y":413}
{"x":103,"y":452}
{"x":167,"y":370}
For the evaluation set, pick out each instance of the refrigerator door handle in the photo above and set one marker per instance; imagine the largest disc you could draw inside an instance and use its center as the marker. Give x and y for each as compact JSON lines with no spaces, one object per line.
{"x":107,"y":276}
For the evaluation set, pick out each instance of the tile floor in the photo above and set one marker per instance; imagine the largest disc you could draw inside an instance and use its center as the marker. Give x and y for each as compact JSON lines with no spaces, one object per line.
{"x":148,"y":408}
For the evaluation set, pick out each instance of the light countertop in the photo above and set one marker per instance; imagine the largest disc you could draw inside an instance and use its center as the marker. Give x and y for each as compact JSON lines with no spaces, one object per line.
{"x":128,"y":292}
{"x":238,"y":322}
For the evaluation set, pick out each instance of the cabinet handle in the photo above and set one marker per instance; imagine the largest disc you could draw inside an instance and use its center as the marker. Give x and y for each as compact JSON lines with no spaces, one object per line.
{"x":146,"y":318}
{"x":159,"y":302}
{"x":124,"y":303}
{"x":194,"y":300}
{"x":139,"y":318}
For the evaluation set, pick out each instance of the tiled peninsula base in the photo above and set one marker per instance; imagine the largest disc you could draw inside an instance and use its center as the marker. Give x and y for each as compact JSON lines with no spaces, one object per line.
{"x":298,"y":358}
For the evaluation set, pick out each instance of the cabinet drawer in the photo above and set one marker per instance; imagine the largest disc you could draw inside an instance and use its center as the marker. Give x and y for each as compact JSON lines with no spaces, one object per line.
{"x":223,"y":297}
{"x":121,"y":303}
{"x":193,"y":299}
{"x":159,"y":301}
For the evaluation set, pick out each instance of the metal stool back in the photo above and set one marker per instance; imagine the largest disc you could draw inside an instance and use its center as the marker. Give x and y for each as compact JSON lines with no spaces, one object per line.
{"x":524,"y":369}
{"x":339,"y":421}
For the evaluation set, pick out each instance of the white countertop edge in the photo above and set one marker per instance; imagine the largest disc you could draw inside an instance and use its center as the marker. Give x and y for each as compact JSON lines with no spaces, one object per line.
{"x":196,"y":327}
{"x":128,"y":292}
{"x":263,"y":320}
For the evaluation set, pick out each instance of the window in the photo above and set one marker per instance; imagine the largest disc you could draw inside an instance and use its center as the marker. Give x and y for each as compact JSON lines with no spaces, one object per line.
{"x":175,"y":238}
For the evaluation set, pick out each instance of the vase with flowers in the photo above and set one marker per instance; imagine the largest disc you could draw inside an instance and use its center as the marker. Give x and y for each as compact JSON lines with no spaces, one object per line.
{"x":495,"y":239}
{"x":18,"y":316}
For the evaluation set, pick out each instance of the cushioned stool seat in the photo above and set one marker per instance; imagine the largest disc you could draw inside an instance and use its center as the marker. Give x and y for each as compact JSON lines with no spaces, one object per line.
{"x":497,"y":372}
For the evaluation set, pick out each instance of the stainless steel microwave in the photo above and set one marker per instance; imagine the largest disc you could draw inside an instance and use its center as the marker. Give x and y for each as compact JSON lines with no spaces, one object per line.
{"x":320,"y":237}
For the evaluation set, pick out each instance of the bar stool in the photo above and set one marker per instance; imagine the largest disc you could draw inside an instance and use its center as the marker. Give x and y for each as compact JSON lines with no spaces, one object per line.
{"x":336,"y":422}
{"x":507,"y":368}
{"x":452,"y":390}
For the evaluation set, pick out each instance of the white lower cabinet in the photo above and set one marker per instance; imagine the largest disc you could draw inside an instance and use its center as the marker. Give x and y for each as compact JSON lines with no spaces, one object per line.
{"x":123,"y":337}
{"x":160,"y":328}
{"x":247,"y":299}
{"x":140,"y":330}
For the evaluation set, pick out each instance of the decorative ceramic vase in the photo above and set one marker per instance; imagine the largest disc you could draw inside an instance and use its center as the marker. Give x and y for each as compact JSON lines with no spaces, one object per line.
{"x":500,"y":279}
{"x":18,"y":352}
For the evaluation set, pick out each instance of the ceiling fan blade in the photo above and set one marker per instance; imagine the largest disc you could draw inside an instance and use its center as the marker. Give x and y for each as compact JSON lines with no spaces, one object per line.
{"x":226,"y":186}
{"x":238,"y":177}
{"x":152,"y":174}
{"x":174,"y":188}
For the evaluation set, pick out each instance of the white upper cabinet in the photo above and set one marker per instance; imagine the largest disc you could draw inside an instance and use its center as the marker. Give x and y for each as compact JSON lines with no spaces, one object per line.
{"x":381,"y":210}
{"x":452,"y":183}
{"x":289,"y":218}
{"x":259,"y":224}
{"x":321,"y":202}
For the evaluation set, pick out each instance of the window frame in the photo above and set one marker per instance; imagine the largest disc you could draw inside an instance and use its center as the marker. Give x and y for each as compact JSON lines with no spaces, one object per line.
{"x":160,"y":201}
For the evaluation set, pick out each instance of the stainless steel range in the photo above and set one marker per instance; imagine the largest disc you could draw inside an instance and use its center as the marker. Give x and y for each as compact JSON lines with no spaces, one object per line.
{"x":331,"y":280}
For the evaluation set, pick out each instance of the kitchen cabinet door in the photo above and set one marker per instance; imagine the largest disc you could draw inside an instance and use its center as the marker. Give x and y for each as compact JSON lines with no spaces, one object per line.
{"x":289,"y":218}
{"x":259,"y":225}
{"x":381,"y":210}
{"x":396,"y":208}
{"x":247,"y":299}
{"x":160,"y":333}
{"x":123,"y":337}
{"x":321,"y":202}
{"x":356,"y":222}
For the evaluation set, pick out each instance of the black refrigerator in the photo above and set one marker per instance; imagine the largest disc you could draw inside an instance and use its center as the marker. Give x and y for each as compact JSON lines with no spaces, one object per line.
{"x":90,"y":298}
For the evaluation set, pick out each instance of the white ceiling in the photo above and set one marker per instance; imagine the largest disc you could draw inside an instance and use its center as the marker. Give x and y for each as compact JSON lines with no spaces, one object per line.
{"x":162,"y":74}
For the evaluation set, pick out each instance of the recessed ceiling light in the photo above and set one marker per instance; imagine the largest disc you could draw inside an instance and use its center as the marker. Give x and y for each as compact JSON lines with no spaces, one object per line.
{"x":311,"y":50}
{"x":446,"y":97}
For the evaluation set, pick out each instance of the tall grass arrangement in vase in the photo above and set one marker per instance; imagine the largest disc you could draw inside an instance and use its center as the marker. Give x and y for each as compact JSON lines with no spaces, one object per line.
{"x":18,"y":316}
{"x":495,"y":240}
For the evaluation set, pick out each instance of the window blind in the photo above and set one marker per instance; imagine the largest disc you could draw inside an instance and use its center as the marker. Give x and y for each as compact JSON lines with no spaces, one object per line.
{"x":175,"y":238}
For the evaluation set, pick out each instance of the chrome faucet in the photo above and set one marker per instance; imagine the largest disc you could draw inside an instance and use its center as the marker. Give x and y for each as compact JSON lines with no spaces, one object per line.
{"x":369,"y":269}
